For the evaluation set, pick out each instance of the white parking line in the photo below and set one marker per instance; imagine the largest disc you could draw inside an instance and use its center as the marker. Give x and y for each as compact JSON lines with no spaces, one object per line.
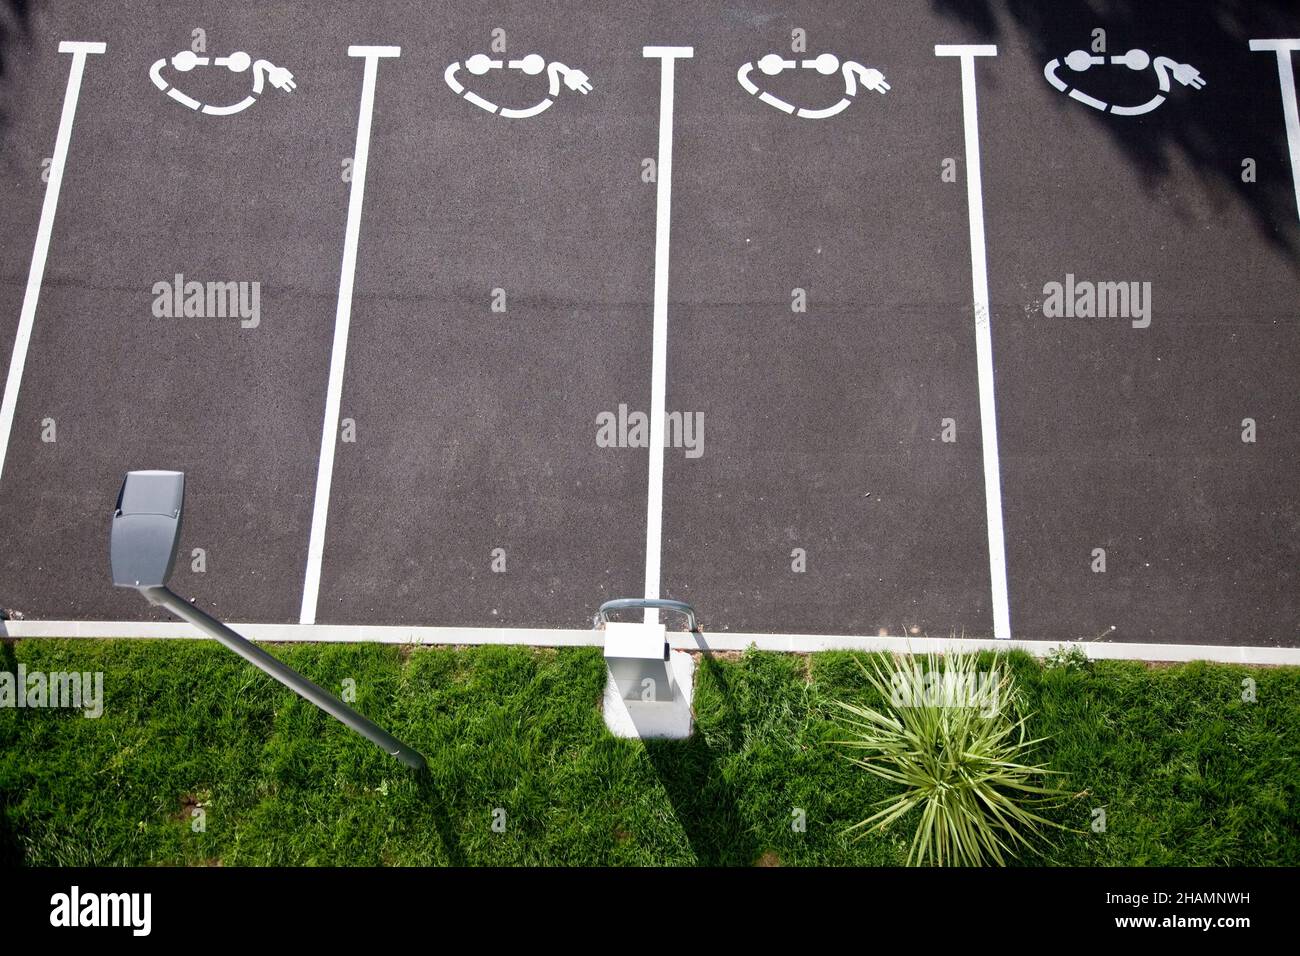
{"x":983,"y":332}
{"x":342,"y":321}
{"x":668,"y":56}
{"x":36,"y":274}
{"x":1286,"y":78}
{"x":679,"y":640}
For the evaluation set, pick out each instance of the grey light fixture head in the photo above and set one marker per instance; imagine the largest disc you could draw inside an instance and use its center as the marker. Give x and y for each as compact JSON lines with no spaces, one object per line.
{"x":146,"y":528}
{"x":142,"y":550}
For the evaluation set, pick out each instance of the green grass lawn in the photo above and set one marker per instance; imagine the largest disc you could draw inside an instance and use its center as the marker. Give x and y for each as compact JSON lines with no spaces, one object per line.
{"x":1187,"y":773}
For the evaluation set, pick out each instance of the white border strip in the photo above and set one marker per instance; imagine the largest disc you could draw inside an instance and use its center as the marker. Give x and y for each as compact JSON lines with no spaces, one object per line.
{"x":342,"y":321}
{"x":983,"y":333}
{"x":36,"y":274}
{"x":654,"y":520}
{"x":681,"y":640}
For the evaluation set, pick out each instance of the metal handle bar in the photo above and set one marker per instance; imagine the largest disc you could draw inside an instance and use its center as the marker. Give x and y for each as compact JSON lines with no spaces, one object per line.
{"x":622,"y":604}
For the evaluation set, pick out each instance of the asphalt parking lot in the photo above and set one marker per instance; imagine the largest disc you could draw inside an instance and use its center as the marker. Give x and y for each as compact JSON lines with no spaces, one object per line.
{"x":499,"y":279}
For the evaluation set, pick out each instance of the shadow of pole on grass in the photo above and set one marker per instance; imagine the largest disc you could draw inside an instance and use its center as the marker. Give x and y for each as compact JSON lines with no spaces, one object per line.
{"x":436,"y":807}
{"x":11,"y":853}
{"x":703,"y":802}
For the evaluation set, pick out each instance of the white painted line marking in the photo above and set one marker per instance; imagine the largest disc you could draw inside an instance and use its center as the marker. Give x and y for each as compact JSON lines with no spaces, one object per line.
{"x":237,"y":62}
{"x":509,"y":113}
{"x":36,"y":273}
{"x":1146,"y":107}
{"x":482,"y":103}
{"x":965,"y":49}
{"x":659,"y":363}
{"x":342,"y":320}
{"x":826,"y":113}
{"x":1092,"y":101}
{"x":1049,"y":71}
{"x":780,"y":104}
{"x":184,"y":100}
{"x":1286,"y":78}
{"x":1080,"y":61}
{"x":983,"y":333}
{"x":558,"y":76}
{"x":826,"y":64}
{"x":679,"y":640}
{"x":449,"y":75}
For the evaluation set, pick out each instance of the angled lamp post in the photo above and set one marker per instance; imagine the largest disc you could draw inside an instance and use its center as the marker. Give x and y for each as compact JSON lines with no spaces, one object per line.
{"x":146,"y":530}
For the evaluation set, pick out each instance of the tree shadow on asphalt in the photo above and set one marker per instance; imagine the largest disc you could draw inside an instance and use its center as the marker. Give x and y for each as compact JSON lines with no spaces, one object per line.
{"x":15,"y":16}
{"x":1212,"y":129}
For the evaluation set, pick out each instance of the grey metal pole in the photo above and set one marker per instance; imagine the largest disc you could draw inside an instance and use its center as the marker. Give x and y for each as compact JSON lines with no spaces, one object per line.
{"x":286,"y":675}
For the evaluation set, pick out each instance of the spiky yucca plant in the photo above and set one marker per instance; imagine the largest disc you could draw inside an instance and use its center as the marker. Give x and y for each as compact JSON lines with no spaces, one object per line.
{"x":954,"y":739}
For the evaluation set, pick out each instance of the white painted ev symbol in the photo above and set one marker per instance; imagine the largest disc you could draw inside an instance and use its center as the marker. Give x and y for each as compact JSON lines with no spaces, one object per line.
{"x":531,"y":65}
{"x":1136,"y":60}
{"x":826,"y":64}
{"x":237,"y":62}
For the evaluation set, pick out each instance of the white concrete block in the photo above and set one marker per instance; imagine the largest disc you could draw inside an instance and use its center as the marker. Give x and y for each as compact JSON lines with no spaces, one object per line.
{"x":654,"y":719}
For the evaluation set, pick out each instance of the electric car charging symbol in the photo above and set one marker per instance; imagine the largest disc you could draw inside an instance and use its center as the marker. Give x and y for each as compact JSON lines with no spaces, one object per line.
{"x":1136,"y":60}
{"x":237,"y":62}
{"x":531,"y":65}
{"x":826,"y":64}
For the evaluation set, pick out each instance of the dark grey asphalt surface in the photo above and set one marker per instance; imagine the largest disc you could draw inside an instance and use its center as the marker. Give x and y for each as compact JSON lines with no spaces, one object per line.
{"x":476,"y":430}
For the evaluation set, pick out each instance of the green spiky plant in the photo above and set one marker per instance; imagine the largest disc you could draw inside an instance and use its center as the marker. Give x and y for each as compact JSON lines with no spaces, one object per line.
{"x":955,"y":739}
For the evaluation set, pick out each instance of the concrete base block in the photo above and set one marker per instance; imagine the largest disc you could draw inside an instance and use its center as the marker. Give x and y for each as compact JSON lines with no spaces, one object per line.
{"x":653,"y":720}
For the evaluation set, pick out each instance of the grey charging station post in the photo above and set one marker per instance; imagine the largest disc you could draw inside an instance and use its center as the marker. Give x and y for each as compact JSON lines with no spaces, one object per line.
{"x":637,"y":654}
{"x":648,"y":688}
{"x":142,"y":545}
